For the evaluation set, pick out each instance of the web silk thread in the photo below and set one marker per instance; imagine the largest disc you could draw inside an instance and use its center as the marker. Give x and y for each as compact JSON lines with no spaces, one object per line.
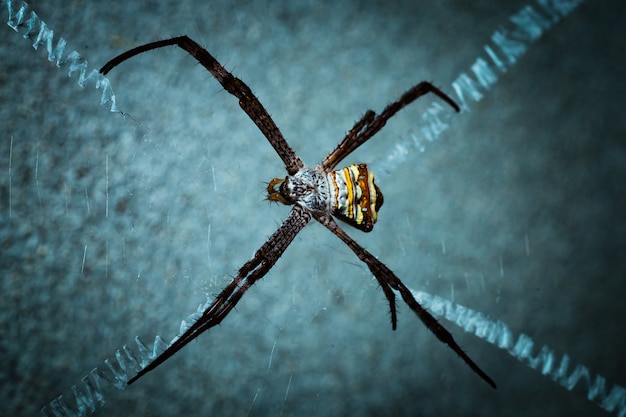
{"x":26,"y":22}
{"x":546,"y":361}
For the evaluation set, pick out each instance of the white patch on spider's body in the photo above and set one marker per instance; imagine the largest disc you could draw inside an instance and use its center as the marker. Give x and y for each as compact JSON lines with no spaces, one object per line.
{"x":309,"y":188}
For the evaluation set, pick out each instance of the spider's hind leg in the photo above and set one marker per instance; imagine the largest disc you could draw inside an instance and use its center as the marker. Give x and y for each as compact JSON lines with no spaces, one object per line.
{"x":391,"y":298}
{"x":389,"y":282}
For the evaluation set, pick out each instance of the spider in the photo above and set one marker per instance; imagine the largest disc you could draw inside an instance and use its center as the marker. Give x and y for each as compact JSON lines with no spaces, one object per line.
{"x":319,"y":193}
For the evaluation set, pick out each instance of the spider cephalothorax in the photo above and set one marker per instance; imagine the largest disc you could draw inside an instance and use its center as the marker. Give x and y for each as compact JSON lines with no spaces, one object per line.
{"x":349,"y":193}
{"x":307,"y":187}
{"x":316,"y":193}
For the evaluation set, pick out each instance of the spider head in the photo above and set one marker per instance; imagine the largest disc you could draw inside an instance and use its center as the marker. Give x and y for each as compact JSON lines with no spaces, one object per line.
{"x":307,"y":187}
{"x":278,"y":190}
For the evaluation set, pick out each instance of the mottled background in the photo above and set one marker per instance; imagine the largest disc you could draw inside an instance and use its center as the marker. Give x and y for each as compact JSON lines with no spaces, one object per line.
{"x":112,"y":227}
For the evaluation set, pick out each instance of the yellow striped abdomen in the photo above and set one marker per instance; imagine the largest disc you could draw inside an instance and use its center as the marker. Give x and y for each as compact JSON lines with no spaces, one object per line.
{"x":355,"y":198}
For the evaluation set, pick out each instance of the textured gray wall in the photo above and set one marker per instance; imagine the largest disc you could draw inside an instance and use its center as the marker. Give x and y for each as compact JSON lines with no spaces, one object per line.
{"x":113,"y":227}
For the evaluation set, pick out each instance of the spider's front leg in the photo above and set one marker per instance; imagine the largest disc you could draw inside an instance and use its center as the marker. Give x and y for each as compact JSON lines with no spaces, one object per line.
{"x":370,"y":123}
{"x":247,"y":100}
{"x":253,"y":270}
{"x":388,"y":281}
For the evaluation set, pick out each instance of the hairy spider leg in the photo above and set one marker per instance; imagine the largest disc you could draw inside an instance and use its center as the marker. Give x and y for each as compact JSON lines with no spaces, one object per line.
{"x":388,"y":281}
{"x":370,"y":124}
{"x":253,"y":270}
{"x":247,"y":100}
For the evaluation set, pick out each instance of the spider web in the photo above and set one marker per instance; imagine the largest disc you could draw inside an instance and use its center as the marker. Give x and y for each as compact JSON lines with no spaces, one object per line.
{"x":97,"y":186}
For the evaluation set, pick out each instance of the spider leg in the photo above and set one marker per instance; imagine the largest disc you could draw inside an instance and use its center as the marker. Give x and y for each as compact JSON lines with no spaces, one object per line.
{"x":247,"y":100}
{"x":253,"y":270}
{"x":370,"y":124}
{"x":388,"y":280}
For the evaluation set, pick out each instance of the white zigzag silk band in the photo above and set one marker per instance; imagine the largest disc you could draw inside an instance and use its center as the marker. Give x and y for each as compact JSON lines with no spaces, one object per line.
{"x":30,"y":26}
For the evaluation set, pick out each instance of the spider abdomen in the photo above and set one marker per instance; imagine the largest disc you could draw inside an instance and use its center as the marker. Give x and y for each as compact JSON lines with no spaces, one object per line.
{"x":355,"y":198}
